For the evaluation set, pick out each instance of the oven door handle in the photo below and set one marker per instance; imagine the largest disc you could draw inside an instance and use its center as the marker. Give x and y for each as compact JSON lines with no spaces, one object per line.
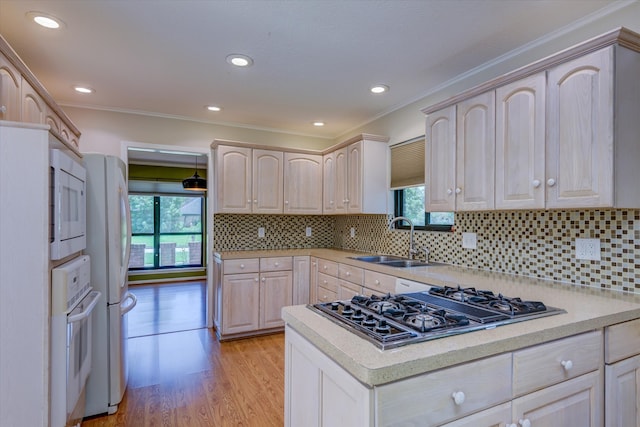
{"x":87,"y":311}
{"x":125,"y":309}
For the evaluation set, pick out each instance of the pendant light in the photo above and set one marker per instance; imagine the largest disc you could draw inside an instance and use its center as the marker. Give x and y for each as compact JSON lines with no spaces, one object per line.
{"x":195,"y":183}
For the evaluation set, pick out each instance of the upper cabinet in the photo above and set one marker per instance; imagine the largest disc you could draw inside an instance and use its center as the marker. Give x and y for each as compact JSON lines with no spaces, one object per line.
{"x":24,"y":99}
{"x":303,"y":183}
{"x":560,"y":133}
{"x":355,"y":176}
{"x":268,"y":174}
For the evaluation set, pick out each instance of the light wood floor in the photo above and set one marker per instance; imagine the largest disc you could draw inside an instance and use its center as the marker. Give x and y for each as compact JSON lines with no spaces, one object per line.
{"x":189,"y":378}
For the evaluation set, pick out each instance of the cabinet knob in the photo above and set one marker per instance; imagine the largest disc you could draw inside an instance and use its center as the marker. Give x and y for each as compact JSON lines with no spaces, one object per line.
{"x":286,"y":202}
{"x":536,"y":183}
{"x":458,"y":397}
{"x":241,"y":265}
{"x":551,"y":182}
{"x":249,"y":201}
{"x":525,"y":423}
{"x":3,"y":109}
{"x":567,"y":364}
{"x":256,"y":279}
{"x":377,"y":282}
{"x":348,"y":274}
{"x":264,"y":280}
{"x":276,"y":264}
{"x":346,"y":201}
{"x":325,"y":267}
{"x":330,"y":202}
{"x":449,"y":191}
{"x":458,"y":190}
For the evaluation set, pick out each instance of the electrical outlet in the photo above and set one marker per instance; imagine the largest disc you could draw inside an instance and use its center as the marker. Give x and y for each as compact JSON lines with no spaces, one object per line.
{"x":469,"y":240}
{"x":588,"y":249}
{"x":260,"y":232}
{"x":307,"y":231}
{"x":352,"y":232}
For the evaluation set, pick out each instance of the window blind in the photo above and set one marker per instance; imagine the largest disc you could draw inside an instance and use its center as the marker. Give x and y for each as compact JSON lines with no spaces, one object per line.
{"x":407,"y":164}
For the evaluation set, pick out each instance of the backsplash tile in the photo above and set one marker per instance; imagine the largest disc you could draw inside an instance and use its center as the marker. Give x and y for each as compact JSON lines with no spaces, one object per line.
{"x":529,"y":243}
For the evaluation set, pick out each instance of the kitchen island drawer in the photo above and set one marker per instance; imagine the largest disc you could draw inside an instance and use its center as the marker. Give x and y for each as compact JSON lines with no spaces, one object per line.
{"x":328,"y":267}
{"x":328,"y":282}
{"x":378,"y":282}
{"x":327,"y":295}
{"x":246,"y":265}
{"x":276,"y":263}
{"x":621,"y":341}
{"x":547,"y":364}
{"x":441,"y":396}
{"x":351,"y":273}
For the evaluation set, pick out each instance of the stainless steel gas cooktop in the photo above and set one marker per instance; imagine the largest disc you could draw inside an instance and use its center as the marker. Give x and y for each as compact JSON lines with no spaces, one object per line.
{"x":394,"y":320}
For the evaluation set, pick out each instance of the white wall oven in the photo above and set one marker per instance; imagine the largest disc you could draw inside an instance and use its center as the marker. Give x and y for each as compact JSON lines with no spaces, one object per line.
{"x":68,"y":206}
{"x":73,"y":301}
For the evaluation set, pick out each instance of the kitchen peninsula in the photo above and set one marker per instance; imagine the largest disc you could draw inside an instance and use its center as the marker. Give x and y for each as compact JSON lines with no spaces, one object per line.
{"x":542,"y":370}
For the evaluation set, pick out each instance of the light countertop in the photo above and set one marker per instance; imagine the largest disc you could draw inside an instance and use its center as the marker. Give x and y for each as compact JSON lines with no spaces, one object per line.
{"x":587,"y":309}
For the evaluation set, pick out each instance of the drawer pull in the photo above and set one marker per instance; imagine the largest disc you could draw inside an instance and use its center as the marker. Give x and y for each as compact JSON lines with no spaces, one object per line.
{"x":524,"y":423}
{"x":377,"y":282}
{"x":241,"y":265}
{"x":458,"y":397}
{"x":325,"y":267}
{"x":276,"y":264}
{"x":256,"y":279}
{"x":567,"y":364}
{"x":348,"y":274}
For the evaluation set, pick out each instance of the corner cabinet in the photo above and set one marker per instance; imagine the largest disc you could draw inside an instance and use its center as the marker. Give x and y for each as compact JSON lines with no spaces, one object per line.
{"x":565,"y":135}
{"x":355,"y":176}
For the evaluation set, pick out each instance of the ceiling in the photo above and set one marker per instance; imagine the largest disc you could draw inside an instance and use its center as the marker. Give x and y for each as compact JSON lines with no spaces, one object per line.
{"x":313,"y":59}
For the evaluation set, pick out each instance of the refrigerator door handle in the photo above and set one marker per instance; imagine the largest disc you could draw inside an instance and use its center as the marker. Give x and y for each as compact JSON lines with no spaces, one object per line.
{"x":124,"y":200}
{"x":125,"y":309}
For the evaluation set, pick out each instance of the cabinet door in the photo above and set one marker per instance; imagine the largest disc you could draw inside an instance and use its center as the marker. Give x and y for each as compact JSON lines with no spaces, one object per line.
{"x":301,"y":274}
{"x":354,"y":177}
{"x":499,"y":416}
{"x":622,"y":393}
{"x":275,"y":293}
{"x":576,"y":402}
{"x":267,"y":182}
{"x":233,"y":179}
{"x":313,"y":281}
{"x":341,"y":166}
{"x":303,"y":184}
{"x":33,"y":106}
{"x":10,"y":82}
{"x":328,"y":183}
{"x":475,"y":153}
{"x":440,"y":161}
{"x":520,"y":142}
{"x":580,"y":132}
{"x":241,"y":303}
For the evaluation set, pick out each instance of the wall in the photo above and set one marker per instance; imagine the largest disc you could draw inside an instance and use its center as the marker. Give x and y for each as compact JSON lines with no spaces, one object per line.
{"x":529,"y":243}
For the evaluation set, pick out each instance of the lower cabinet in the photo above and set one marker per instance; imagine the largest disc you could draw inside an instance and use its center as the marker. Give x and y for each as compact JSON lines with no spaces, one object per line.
{"x":250,"y":303}
{"x":318,"y":392}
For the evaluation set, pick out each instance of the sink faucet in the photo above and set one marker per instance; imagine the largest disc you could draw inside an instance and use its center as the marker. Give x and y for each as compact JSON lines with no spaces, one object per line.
{"x":412,"y":249}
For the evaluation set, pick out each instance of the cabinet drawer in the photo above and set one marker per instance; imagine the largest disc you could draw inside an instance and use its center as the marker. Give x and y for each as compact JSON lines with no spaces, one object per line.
{"x":348,"y":290}
{"x":379,"y":282}
{"x":249,"y":265}
{"x":621,"y":341}
{"x":427,"y":400}
{"x":328,"y":282}
{"x":328,"y":267}
{"x":326,"y":295}
{"x":350,"y":273}
{"x":557,"y":361}
{"x":276,"y":263}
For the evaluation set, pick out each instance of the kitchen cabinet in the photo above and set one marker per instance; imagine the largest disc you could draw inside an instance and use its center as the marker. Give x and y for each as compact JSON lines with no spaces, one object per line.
{"x":475,"y":153}
{"x":520,"y":144}
{"x":302,"y":184}
{"x":10,"y":82}
{"x":251,"y":293}
{"x":359,"y":180}
{"x":533,"y":386}
{"x":301,"y":277}
{"x":440,"y":161}
{"x":248,"y":180}
{"x":622,"y":374}
{"x":378,"y":283}
{"x":336,"y":281}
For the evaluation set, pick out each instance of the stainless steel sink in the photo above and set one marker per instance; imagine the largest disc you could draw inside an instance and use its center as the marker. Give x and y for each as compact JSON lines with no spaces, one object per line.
{"x":394,"y":261}
{"x":378,"y":258}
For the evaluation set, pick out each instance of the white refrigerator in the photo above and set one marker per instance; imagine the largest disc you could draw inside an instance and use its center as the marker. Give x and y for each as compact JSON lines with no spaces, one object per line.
{"x":108,"y":245}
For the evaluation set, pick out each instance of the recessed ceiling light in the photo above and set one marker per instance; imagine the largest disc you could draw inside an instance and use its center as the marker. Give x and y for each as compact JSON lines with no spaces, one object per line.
{"x":213,"y":108}
{"x":239,"y":60}
{"x":44,"y":19}
{"x":83,"y":89}
{"x":379,"y":88}
{"x":318,"y":124}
